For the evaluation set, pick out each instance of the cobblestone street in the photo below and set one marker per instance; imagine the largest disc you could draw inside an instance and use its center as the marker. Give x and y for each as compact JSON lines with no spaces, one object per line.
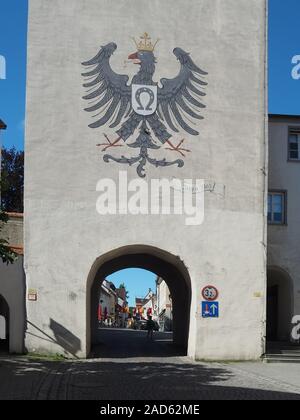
{"x":154,"y":376}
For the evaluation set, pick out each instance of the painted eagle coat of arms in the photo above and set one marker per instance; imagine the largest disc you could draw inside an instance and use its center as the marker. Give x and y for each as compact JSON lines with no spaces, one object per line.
{"x":154,"y":110}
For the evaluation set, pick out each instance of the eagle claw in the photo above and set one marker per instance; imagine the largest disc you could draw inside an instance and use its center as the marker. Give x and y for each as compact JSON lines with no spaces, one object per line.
{"x":110,"y":143}
{"x":177,"y":148}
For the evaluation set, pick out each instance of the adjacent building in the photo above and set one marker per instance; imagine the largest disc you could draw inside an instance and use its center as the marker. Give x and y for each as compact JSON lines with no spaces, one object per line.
{"x":12,"y":284}
{"x":12,"y":289}
{"x":283,"y":294}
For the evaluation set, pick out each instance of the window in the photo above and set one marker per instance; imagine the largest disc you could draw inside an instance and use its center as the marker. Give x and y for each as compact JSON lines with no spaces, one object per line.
{"x":277,"y":208}
{"x":294,"y":144}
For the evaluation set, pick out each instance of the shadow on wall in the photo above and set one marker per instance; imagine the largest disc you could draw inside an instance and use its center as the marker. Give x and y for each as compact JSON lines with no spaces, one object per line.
{"x":65,"y":339}
{"x":62,"y":337}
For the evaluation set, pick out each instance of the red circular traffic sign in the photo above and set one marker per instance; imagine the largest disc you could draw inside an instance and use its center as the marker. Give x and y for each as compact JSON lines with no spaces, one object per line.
{"x":210,"y":293}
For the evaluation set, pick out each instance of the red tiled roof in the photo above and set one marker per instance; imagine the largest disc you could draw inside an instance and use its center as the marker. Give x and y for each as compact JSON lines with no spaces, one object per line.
{"x":16,"y":215}
{"x":17,"y":249}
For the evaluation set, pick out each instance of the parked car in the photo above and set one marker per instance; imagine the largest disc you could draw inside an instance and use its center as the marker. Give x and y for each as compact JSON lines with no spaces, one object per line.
{"x":142,"y":325}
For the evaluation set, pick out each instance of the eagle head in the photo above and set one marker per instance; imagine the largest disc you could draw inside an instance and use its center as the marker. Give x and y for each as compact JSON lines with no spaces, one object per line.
{"x":143,"y":58}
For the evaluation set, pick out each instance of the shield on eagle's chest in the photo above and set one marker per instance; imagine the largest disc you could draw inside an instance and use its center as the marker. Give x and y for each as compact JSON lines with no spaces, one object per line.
{"x":144,"y":99}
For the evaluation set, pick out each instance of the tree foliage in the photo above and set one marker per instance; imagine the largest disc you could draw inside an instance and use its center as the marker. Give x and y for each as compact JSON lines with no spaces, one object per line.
{"x":6,"y":254}
{"x":12,"y":180}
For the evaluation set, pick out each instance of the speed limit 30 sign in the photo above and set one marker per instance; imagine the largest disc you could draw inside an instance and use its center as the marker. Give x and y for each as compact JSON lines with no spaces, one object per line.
{"x":210,"y":293}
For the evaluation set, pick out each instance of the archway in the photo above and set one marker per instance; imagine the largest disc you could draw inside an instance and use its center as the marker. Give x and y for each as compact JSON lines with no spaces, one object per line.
{"x":164,"y":265}
{"x":279,"y":305}
{"x":4,"y":314}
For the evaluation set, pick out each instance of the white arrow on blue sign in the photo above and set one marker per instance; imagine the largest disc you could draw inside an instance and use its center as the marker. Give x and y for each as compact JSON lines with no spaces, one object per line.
{"x":210,"y":309}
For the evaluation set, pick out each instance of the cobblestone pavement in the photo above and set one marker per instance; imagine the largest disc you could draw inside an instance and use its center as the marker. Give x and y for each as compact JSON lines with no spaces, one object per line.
{"x":160,"y":374}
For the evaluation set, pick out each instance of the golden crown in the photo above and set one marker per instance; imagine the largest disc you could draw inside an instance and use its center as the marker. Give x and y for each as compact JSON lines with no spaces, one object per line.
{"x":145,"y":43}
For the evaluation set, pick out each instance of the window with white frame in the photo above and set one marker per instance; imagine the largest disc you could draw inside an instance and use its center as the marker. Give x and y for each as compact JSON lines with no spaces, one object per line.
{"x":277,"y":208}
{"x":294,"y":144}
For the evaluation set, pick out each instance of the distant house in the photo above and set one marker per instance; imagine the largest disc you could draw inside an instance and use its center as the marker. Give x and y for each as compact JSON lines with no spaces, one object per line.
{"x":164,"y":305}
{"x":112,"y":308}
{"x":107,"y":303}
{"x":146,"y":306}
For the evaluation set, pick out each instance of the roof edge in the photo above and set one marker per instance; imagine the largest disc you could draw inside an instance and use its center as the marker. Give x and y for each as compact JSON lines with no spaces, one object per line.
{"x":296,"y":117}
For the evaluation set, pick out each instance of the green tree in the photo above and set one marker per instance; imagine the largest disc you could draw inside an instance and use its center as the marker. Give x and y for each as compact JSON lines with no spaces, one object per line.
{"x":12,"y":180}
{"x":6,"y":254}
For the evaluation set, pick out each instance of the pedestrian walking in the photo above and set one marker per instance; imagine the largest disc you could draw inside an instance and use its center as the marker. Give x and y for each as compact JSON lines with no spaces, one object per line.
{"x":150,"y":327}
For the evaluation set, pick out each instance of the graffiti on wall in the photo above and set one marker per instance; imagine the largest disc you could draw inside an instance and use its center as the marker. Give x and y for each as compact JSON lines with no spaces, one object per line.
{"x":152,"y":112}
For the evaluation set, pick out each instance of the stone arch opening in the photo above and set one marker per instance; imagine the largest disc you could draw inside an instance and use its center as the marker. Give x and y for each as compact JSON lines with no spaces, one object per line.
{"x":280,"y":300}
{"x":163,"y":264}
{"x":4,"y":325}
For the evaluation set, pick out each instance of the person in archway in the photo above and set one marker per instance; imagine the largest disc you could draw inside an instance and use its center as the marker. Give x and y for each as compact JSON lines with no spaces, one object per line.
{"x":150,"y":327}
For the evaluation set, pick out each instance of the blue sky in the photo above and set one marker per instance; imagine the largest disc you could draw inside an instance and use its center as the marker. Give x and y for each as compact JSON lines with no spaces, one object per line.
{"x":13,"y":31}
{"x":137,"y":281}
{"x":284,"y":44}
{"x":284,"y":91}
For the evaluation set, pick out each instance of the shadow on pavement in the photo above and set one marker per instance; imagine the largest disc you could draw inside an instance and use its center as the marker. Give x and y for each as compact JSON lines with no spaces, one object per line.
{"x":84,"y":380}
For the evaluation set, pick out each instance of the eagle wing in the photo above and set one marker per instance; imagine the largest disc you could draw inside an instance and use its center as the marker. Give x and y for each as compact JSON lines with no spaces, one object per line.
{"x":108,"y":91}
{"x":180,"y":98}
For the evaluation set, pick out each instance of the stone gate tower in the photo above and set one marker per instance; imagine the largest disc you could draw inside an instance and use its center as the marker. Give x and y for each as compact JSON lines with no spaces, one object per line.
{"x":173,"y":92}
